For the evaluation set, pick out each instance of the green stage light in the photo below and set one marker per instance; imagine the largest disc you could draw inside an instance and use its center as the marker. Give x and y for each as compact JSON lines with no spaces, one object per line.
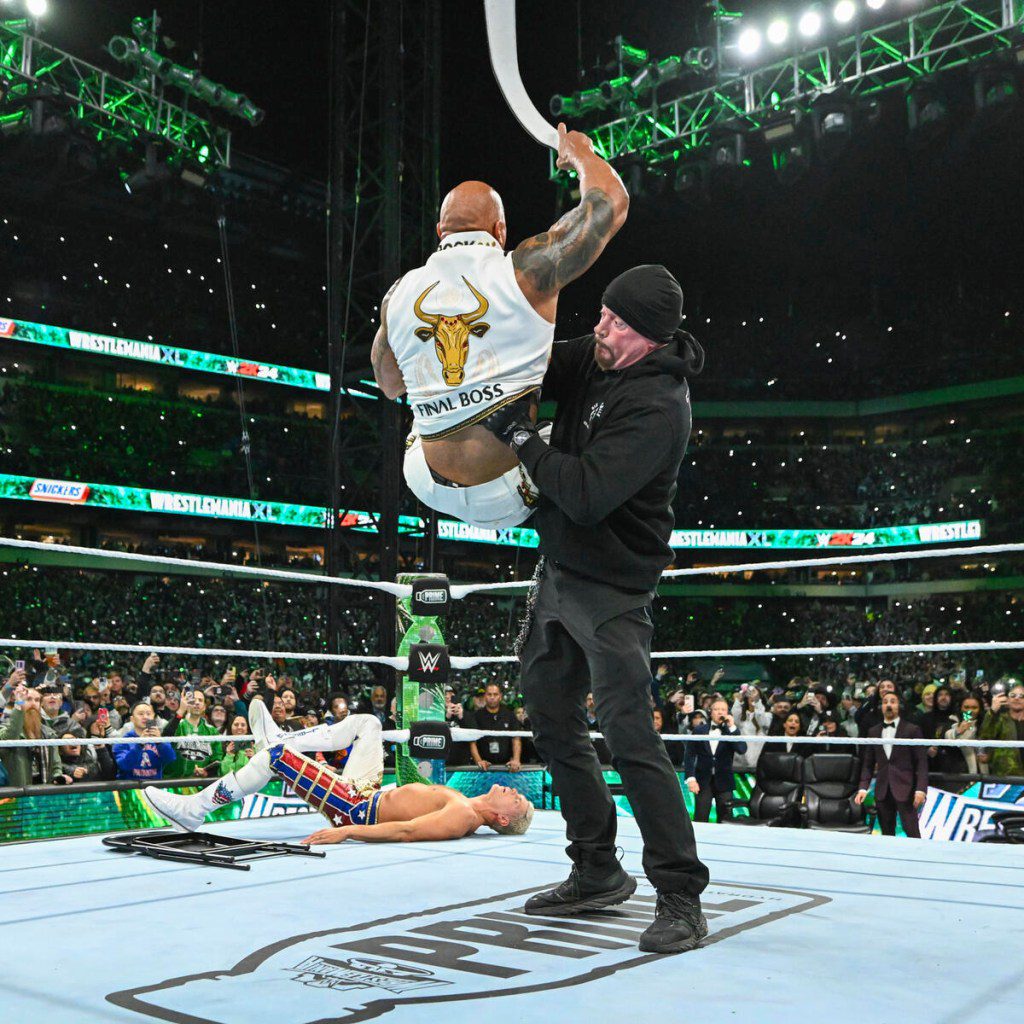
{"x":701,"y":58}
{"x":656,"y":73}
{"x":578,"y":104}
{"x":616,"y":91}
{"x":188,"y":80}
{"x":629,"y":55}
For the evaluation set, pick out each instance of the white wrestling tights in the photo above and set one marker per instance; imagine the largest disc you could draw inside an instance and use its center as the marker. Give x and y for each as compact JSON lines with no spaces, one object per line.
{"x":360,"y":732}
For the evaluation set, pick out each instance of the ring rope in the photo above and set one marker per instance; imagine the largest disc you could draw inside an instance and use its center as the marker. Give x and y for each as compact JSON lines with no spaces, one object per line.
{"x":471,"y":661}
{"x":461,"y":662}
{"x":402,"y":664}
{"x":460,"y":735}
{"x":398,"y":589}
{"x":461,"y":590}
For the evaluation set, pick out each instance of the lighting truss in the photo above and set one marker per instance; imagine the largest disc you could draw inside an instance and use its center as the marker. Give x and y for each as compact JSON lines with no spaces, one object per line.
{"x":870,"y":61}
{"x":99,"y":101}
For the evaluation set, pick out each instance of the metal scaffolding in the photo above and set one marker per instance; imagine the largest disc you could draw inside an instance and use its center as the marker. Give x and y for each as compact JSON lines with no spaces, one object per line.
{"x":871,"y":60}
{"x":383,"y":204}
{"x":102,"y":104}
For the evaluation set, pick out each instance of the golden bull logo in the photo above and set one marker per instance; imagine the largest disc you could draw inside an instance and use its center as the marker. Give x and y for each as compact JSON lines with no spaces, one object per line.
{"x":405,"y":966}
{"x":451,"y":332}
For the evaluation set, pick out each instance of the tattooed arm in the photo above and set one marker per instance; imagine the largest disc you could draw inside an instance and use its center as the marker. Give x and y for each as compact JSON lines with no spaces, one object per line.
{"x":547,"y":262}
{"x":385,"y":367}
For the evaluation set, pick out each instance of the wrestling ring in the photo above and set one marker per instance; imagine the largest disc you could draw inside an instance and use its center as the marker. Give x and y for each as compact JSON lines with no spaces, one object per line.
{"x":407,"y":931}
{"x":803,"y":923}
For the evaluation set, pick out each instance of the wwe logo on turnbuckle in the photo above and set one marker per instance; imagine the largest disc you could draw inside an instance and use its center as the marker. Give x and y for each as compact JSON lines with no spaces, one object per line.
{"x":429,"y":662}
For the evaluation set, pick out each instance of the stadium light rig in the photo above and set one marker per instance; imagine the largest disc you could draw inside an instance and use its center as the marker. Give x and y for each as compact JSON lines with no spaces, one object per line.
{"x":190,"y":81}
{"x":750,"y":36}
{"x":34,"y":9}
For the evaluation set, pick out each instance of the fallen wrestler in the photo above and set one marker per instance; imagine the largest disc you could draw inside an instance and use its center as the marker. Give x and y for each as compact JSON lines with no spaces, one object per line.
{"x":352,"y":801}
{"x":471,"y":331}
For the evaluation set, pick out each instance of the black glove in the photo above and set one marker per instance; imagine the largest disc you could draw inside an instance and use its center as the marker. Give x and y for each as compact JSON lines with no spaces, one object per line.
{"x":511,"y":423}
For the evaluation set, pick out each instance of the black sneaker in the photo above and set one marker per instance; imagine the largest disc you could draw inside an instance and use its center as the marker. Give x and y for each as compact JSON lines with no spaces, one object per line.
{"x":678,"y":925}
{"x":582,"y":893}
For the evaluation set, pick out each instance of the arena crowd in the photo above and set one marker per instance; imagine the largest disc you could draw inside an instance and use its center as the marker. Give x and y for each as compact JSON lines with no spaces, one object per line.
{"x":74,"y":694}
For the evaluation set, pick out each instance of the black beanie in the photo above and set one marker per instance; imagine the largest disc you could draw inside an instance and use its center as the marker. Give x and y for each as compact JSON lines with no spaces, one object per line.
{"x":649,"y":299}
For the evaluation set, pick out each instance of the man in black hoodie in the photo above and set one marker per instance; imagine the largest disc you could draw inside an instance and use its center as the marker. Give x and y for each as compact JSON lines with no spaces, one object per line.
{"x":606,"y":484}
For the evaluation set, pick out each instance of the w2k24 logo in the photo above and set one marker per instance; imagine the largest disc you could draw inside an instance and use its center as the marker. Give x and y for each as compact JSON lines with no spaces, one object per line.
{"x":479,"y":950}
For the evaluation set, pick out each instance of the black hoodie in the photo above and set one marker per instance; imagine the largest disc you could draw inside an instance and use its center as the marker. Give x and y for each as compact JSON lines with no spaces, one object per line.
{"x":608,"y":478}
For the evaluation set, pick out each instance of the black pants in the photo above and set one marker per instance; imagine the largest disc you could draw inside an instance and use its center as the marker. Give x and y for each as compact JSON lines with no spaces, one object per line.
{"x":702,"y":802}
{"x":569,"y":653}
{"x":887,"y":807}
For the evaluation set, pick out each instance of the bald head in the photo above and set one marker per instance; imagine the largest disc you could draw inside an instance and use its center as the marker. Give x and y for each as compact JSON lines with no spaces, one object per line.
{"x":472,"y":206}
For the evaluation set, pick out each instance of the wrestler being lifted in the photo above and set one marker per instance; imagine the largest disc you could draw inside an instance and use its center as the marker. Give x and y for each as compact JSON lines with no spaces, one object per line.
{"x":352,"y":801}
{"x":471,"y":331}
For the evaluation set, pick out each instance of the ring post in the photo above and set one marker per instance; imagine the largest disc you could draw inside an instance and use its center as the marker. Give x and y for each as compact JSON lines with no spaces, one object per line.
{"x":421,"y":689}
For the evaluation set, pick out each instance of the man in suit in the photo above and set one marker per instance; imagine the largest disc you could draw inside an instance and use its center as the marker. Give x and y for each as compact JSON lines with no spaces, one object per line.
{"x":902,"y":782}
{"x":708,"y":766}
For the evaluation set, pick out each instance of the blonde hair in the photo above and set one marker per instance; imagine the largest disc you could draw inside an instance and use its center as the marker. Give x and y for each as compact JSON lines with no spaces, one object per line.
{"x":516,"y":826}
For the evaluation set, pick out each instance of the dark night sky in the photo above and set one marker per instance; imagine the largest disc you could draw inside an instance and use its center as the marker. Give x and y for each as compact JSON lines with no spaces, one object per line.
{"x":277,"y":54}
{"x":872,"y":213}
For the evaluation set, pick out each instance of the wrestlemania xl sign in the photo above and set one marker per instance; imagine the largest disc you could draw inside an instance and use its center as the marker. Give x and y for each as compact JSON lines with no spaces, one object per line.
{"x":479,"y":950}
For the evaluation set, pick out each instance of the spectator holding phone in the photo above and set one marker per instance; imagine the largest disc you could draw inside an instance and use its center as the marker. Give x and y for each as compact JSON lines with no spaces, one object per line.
{"x":143,"y":760}
{"x":237,"y":752}
{"x":197,"y":757}
{"x":1005,"y":722}
{"x":966,"y":728}
{"x":812,"y":708}
{"x":147,"y":680}
{"x":99,"y":728}
{"x":19,"y":674}
{"x":752,"y":719}
{"x":28,"y":766}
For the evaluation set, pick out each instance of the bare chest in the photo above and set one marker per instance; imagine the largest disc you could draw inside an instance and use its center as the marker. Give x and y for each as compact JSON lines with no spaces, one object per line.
{"x":408,"y":802}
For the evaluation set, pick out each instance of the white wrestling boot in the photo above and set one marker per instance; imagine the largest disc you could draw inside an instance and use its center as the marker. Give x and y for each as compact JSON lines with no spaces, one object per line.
{"x":185,"y":813}
{"x":263,"y":726}
{"x":189,"y":812}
